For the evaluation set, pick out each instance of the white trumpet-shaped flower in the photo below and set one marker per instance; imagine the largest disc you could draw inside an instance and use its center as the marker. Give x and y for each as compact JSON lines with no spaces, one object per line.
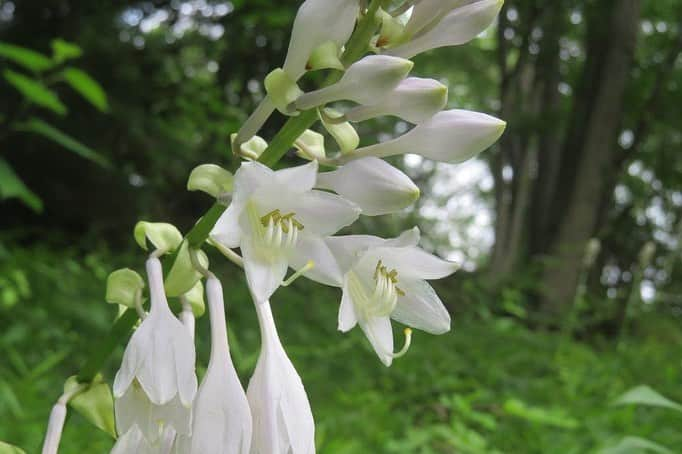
{"x":318,"y":22}
{"x":277,"y":220}
{"x":156,"y":383}
{"x":414,"y":100}
{"x":386,"y":279}
{"x":373,"y":184}
{"x":459,"y":26}
{"x":282,"y":420}
{"x":221,"y":422}
{"x":366,"y":81}
{"x":449,"y":136}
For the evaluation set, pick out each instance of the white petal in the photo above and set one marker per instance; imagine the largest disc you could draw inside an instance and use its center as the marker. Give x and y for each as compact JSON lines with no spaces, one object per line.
{"x":380,"y":335}
{"x":132,"y":442}
{"x":421,"y":308}
{"x":249,"y":177}
{"x":347,"y":249}
{"x":347,"y":317}
{"x":325,"y":270}
{"x":407,"y":238}
{"x":425,"y":12}
{"x":133,"y":359}
{"x":227,"y":230}
{"x":410,"y":262}
{"x":298,"y":179}
{"x":323,"y":213}
{"x":373,"y":184}
{"x":264,"y":274}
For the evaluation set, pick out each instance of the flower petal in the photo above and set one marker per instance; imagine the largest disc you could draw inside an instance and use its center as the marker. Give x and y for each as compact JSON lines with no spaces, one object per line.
{"x":298,"y":179}
{"x":410,"y":262}
{"x":264,"y":274}
{"x":323,"y":213}
{"x":325,"y":270}
{"x":347,"y":249}
{"x":347,"y":316}
{"x":380,"y":335}
{"x":227,"y":230}
{"x":421,"y":308}
{"x":132,"y":441}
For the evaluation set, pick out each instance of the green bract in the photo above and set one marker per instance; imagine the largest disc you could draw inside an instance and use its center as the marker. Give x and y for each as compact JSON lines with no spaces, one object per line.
{"x":310,"y":145}
{"x":6,"y":448}
{"x":343,"y":133}
{"x":183,"y":275}
{"x":195,"y":298}
{"x":165,"y":237}
{"x":95,"y":403}
{"x":211,"y":179}
{"x":326,"y":56}
{"x":282,"y":90}
{"x":123,"y":286}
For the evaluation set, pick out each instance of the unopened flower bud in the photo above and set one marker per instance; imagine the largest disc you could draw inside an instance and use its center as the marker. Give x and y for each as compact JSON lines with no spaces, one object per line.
{"x":317,"y":22}
{"x":211,"y":179}
{"x":449,"y":136}
{"x":310,"y":145}
{"x":282,"y":90}
{"x":326,"y":56}
{"x":373,"y":184}
{"x":343,"y":132}
{"x":457,"y":27}
{"x":414,"y":100}
{"x":428,"y":13}
{"x":366,"y":81}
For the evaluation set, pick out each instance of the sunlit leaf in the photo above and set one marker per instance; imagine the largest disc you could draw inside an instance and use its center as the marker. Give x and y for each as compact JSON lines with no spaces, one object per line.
{"x":636,"y":445}
{"x":11,"y":186}
{"x":87,"y":87}
{"x":27,"y":58}
{"x":38,"y":126}
{"x":64,"y":50}
{"x":537,"y":415}
{"x":6,"y":448}
{"x":35,"y":91}
{"x":644,"y":395}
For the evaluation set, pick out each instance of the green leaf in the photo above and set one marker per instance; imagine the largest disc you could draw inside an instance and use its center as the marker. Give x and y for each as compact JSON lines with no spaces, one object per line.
{"x":27,"y":58}
{"x":38,"y":126}
{"x":537,"y":415}
{"x":644,"y":395}
{"x":87,"y":87}
{"x":95,"y":404}
{"x":11,"y":186}
{"x":35,"y":91}
{"x":64,"y":50}
{"x":636,"y":445}
{"x":6,"y":448}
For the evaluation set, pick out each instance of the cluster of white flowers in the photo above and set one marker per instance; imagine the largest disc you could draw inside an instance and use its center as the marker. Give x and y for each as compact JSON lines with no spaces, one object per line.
{"x":287,"y":218}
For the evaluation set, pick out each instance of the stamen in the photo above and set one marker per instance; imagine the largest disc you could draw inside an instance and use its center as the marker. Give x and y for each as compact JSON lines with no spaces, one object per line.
{"x":406,"y":345}
{"x":308,"y":266}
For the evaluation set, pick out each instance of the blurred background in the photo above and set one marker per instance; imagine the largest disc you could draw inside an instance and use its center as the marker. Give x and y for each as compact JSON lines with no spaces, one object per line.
{"x":568,"y":231}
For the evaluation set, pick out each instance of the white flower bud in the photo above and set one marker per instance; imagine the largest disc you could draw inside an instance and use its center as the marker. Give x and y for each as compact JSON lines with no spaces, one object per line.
{"x":366,"y":81}
{"x":449,"y":136}
{"x":373,"y":184}
{"x":317,"y":22}
{"x":414,"y":100}
{"x":457,"y":27}
{"x":427,"y":13}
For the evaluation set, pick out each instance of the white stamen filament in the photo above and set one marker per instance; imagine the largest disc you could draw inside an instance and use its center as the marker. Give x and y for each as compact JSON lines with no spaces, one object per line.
{"x":308,"y":266}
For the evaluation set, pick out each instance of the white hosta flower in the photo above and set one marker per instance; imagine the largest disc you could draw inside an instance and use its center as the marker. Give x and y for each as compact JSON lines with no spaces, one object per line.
{"x":282,"y":420}
{"x":222,"y":419}
{"x":449,"y":136}
{"x":459,"y":26}
{"x":386,"y":279}
{"x":318,"y":22}
{"x":277,"y":220}
{"x":427,"y":13}
{"x":373,"y":184}
{"x":156,"y":383}
{"x":366,"y":81}
{"x":414,"y":100}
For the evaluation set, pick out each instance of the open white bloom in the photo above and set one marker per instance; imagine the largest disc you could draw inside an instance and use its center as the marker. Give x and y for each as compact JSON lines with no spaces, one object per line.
{"x":449,"y":136}
{"x":222,"y":419}
{"x":282,"y":420}
{"x":414,"y":100}
{"x":459,"y":26}
{"x":132,"y":442}
{"x":366,"y":81}
{"x":373,"y":184}
{"x":156,"y":383}
{"x":386,"y":279}
{"x":277,"y":220}
{"x":318,"y":22}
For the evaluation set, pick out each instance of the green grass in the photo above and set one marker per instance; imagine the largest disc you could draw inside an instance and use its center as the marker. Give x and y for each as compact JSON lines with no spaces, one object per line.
{"x":488,"y":386}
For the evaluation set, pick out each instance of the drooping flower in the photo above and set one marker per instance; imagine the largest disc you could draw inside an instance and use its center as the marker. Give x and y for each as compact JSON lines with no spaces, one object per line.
{"x":156,"y":383}
{"x":414,"y":100}
{"x":282,"y":419}
{"x":318,"y":22}
{"x":386,"y":279}
{"x":459,"y":26}
{"x":277,"y":220}
{"x":366,"y":81}
{"x":449,"y":136}
{"x":221,"y":419}
{"x":373,"y":184}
